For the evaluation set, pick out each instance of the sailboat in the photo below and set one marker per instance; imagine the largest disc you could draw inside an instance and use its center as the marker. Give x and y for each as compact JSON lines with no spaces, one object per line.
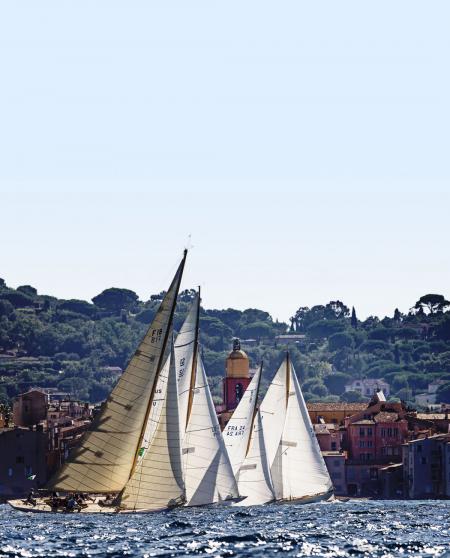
{"x":278,"y":458}
{"x":244,"y":439}
{"x":297,"y":467}
{"x":120,"y":459}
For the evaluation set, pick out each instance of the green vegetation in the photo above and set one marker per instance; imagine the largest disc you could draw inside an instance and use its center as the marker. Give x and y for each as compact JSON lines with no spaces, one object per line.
{"x":77,"y":346}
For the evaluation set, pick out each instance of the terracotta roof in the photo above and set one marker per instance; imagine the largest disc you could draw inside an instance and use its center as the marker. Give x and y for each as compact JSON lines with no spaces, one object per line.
{"x":336,"y":406}
{"x":363,"y":422}
{"x":384,"y":416}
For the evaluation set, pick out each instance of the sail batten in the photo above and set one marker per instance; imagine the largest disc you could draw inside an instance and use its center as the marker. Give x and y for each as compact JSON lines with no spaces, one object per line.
{"x":112,"y":444}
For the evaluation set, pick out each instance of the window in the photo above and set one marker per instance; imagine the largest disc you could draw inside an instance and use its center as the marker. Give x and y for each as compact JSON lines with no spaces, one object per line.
{"x":362,"y":444}
{"x":362,"y":432}
{"x":383,"y":432}
{"x":423,"y":460}
{"x":395,"y":432}
{"x":369,"y":444}
{"x":389,"y":432}
{"x":419,"y":448}
{"x":369,"y":432}
{"x":333,"y":446}
{"x":10,"y":472}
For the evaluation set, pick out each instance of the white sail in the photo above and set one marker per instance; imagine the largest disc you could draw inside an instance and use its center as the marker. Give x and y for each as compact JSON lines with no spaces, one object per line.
{"x":273,"y":412}
{"x":208,"y":475}
{"x":299,"y":470}
{"x":157,"y":482}
{"x":107,"y":453}
{"x":184,"y":354}
{"x":254,"y":478}
{"x":237,"y":432}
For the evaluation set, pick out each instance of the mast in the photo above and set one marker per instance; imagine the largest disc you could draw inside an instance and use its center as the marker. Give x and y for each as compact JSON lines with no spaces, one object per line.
{"x":255,"y":409}
{"x":158,"y":369}
{"x":288,"y":377}
{"x":194,"y":361}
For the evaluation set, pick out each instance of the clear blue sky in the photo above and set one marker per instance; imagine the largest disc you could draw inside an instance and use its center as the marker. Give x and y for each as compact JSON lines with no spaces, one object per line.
{"x":304,"y":146}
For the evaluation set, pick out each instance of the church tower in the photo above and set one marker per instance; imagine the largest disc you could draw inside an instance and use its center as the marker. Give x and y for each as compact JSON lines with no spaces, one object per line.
{"x":237,"y":376}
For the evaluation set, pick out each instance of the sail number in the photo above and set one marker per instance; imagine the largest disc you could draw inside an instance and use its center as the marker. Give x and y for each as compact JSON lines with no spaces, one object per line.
{"x":156,"y":335}
{"x":182,"y":367}
{"x":235,"y":430}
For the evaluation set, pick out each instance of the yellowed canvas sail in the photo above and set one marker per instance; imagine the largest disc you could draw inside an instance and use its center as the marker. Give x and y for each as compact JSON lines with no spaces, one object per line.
{"x":104,"y":460}
{"x":157,"y":482}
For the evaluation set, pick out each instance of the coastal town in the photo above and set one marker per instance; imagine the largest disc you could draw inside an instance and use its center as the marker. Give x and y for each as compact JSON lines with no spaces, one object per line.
{"x":373,"y":449}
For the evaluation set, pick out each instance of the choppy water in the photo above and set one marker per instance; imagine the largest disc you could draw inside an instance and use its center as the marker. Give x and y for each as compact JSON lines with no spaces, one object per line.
{"x":357,"y":528}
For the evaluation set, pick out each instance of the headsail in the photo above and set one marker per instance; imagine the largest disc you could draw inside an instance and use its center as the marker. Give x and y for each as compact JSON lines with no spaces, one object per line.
{"x":238,"y":431}
{"x":184,"y":356}
{"x":254,"y":480}
{"x":208,"y":475}
{"x":157,"y":482}
{"x":273,"y":412}
{"x":109,"y":451}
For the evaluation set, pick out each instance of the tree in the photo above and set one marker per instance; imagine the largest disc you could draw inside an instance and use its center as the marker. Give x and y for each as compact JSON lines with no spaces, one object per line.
{"x":354,"y":319}
{"x":115,"y":299}
{"x":434,"y":303}
{"x":442,"y":329}
{"x":256,"y":330}
{"x":336,"y":382}
{"x":28,"y":289}
{"x":340,"y":340}
{"x":336,"y":309}
{"x":78,"y":306}
{"x":17,"y":298}
{"x":443,"y":393}
{"x":397,"y":316}
{"x":325,"y":328}
{"x":353,"y":397}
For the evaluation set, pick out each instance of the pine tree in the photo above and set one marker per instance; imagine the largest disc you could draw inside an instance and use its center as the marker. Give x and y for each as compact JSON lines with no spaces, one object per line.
{"x":354,"y":319}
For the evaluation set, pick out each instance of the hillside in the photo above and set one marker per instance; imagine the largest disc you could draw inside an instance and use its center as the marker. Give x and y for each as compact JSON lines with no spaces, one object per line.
{"x":77,"y":346}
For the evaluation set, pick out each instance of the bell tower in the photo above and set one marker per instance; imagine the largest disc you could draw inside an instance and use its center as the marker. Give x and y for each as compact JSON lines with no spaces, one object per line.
{"x":237,"y":376}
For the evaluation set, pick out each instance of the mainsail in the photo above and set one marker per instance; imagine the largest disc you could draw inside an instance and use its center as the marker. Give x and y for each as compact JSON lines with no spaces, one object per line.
{"x":208,"y":475}
{"x":109,"y":452}
{"x":157,"y":482}
{"x":298,"y":469}
{"x":238,"y":431}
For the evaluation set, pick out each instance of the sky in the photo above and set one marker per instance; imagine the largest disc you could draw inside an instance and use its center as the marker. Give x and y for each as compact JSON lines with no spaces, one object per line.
{"x":300,"y":149}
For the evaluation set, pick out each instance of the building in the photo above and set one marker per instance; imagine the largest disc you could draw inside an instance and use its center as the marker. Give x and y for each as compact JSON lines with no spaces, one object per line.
{"x":329,"y":436}
{"x":426,"y":467}
{"x":23,"y":460}
{"x":430,"y":397}
{"x":373,"y":440}
{"x":334,"y":413}
{"x":236,"y":381}
{"x":368,"y":386}
{"x":335,"y":462}
{"x":30,"y":408}
{"x":287,"y":339}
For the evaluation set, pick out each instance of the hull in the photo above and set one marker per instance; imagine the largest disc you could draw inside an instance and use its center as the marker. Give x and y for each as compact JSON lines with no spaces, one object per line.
{"x":308,"y":499}
{"x":43,"y":507}
{"x":91,"y":507}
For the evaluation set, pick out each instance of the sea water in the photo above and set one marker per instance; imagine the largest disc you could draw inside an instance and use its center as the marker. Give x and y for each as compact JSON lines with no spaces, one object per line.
{"x":354,"y":528}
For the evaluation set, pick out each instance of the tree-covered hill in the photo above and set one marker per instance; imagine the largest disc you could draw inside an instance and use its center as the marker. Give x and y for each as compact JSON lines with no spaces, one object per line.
{"x":78,"y":347}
